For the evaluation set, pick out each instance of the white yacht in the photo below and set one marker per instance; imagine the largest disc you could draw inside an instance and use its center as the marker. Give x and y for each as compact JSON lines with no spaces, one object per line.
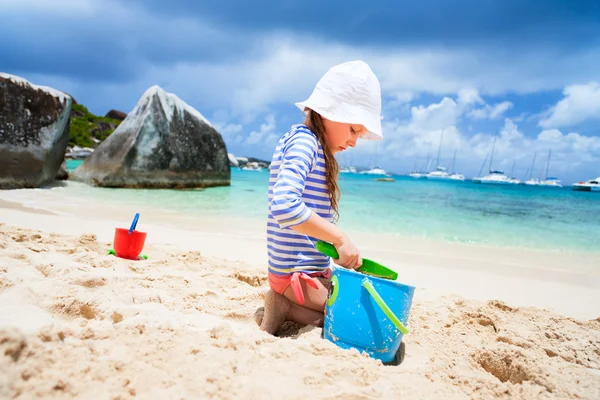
{"x":592,"y":185}
{"x":496,"y":177}
{"x":550,"y":181}
{"x":457,"y":177}
{"x":532,"y":181}
{"x":251,"y":166}
{"x":441,"y":173}
{"x":418,"y":175}
{"x":374,"y":171}
{"x":348,"y":170}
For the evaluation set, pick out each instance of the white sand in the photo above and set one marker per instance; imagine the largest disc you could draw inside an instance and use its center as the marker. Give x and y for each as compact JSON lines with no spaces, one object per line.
{"x":75,"y":322}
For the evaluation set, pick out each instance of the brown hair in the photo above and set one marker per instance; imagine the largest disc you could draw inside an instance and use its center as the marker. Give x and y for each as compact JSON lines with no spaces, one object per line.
{"x":315,"y":123}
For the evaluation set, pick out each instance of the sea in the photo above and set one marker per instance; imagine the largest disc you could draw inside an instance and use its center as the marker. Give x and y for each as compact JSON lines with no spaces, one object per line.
{"x":557,"y":219}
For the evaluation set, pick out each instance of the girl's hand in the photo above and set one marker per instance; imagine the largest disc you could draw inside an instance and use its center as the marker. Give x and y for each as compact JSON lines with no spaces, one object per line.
{"x":349,"y":256}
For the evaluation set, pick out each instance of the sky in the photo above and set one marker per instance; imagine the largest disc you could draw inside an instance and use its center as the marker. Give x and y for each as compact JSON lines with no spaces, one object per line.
{"x":463,"y":72}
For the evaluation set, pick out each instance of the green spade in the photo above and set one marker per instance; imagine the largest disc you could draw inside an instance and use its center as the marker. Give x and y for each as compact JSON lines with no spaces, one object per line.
{"x":368,"y":266}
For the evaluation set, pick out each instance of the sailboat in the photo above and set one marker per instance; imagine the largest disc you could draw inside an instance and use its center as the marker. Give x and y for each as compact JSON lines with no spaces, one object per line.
{"x":454,"y":176}
{"x":532,"y":181}
{"x":418,"y":174}
{"x":495,"y":177}
{"x":348,"y":169}
{"x":550,"y":181}
{"x":441,"y":173}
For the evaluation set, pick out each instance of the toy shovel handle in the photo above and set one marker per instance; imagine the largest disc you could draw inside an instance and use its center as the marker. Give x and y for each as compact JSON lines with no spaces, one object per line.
{"x":384,"y":307}
{"x":328,"y":249}
{"x":134,"y":223}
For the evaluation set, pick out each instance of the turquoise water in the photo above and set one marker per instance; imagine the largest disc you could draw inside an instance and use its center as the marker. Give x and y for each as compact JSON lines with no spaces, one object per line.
{"x":519,"y":216}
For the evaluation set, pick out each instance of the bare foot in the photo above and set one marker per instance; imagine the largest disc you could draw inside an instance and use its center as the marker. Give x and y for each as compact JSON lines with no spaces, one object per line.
{"x":275,"y":312}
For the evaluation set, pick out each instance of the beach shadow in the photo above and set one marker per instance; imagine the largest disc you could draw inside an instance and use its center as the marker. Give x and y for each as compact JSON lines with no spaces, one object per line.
{"x":293,"y":330}
{"x":399,"y":357}
{"x":289,"y":329}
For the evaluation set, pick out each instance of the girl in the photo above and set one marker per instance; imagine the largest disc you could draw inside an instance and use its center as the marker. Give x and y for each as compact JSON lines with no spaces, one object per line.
{"x":303,"y":193}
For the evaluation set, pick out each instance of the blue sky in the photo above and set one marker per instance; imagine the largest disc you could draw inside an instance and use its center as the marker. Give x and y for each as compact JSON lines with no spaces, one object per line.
{"x":526,"y":71}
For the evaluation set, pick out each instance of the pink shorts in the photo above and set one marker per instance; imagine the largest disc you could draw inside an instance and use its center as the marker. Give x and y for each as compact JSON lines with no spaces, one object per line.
{"x":279,"y":283}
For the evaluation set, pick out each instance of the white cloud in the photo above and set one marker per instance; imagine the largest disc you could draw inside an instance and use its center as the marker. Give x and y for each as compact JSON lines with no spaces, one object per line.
{"x":417,"y":139}
{"x":491,"y":112}
{"x":266,"y":135}
{"x":581,"y":103}
{"x":273,"y":75}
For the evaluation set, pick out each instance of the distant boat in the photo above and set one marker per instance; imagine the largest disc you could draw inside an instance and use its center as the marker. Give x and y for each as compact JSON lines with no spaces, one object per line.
{"x":442,"y":174}
{"x":532,"y":181}
{"x":252,"y":166}
{"x":419,"y":173}
{"x":374,"y":171}
{"x":496,"y":177}
{"x":550,"y":181}
{"x":439,"y":173}
{"x":348,"y":170}
{"x":592,"y":185}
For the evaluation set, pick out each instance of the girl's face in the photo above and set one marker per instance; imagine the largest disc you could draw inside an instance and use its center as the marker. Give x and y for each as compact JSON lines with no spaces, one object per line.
{"x":340,"y":135}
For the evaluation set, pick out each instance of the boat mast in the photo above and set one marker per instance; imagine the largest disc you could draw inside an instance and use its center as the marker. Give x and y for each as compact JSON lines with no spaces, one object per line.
{"x":548,"y":162}
{"x":483,"y":165}
{"x":532,"y":165}
{"x":453,"y":161}
{"x":492,"y":156}
{"x":437,"y":161}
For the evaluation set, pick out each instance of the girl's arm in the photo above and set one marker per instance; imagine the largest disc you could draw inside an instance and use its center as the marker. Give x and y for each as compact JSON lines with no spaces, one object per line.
{"x":320,"y":228}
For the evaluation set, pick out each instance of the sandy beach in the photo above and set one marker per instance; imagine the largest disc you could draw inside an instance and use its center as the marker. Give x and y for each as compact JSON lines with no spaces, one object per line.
{"x":78,"y":323}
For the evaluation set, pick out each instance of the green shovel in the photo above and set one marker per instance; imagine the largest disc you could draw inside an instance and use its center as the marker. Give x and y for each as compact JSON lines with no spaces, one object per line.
{"x":368,"y":267}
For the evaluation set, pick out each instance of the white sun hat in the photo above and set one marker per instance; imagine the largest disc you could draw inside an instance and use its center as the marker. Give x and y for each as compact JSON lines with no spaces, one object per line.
{"x":349,"y":93}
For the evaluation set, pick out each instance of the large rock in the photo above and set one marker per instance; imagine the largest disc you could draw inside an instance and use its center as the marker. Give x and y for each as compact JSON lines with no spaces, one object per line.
{"x":34,"y":132}
{"x":163,"y":143}
{"x":116,"y":114}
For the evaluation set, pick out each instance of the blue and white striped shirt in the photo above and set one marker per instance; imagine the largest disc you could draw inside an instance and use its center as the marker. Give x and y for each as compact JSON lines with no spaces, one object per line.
{"x":297,"y":188}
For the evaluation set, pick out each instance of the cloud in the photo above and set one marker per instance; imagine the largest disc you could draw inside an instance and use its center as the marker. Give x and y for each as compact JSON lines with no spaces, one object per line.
{"x":581,"y":103}
{"x":216,"y":65}
{"x":266,"y":136}
{"x":491,"y":112}
{"x":416,"y":140}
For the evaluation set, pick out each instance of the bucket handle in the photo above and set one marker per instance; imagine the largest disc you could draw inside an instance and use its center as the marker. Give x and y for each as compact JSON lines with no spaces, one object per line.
{"x":384,"y":307}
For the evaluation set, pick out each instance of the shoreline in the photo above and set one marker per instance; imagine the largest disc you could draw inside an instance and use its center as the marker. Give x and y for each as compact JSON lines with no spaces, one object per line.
{"x":565,"y":282}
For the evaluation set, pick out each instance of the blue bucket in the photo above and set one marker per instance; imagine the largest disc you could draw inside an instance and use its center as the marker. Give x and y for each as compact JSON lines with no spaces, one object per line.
{"x":367,"y":313}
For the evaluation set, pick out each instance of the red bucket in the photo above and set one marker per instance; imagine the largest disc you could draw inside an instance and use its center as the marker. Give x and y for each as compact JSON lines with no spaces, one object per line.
{"x":129,"y":245}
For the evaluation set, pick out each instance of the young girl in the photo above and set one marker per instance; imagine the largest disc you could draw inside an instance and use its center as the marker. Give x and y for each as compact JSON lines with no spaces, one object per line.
{"x":303,"y":193}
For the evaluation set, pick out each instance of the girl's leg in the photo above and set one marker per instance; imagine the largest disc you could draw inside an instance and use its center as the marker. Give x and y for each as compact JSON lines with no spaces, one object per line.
{"x":314,"y":299}
{"x":280,"y":308}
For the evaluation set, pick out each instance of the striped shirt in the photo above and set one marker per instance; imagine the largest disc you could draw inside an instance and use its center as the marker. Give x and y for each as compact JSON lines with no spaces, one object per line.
{"x":297,"y":188}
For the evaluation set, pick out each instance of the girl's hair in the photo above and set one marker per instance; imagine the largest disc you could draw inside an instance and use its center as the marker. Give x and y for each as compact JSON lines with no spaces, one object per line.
{"x":331,"y":164}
